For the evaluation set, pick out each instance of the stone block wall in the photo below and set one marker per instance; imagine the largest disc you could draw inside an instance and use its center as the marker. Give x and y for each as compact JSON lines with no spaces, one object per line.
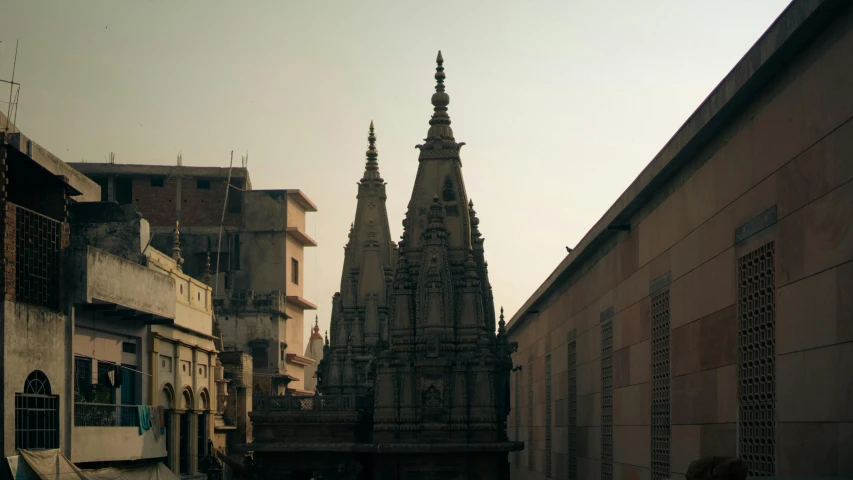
{"x":737,"y":271}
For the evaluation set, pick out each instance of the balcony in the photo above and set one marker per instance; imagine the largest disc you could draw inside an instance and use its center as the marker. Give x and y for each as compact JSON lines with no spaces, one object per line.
{"x":104,"y":432}
{"x":34,"y":260}
{"x":120,"y":288}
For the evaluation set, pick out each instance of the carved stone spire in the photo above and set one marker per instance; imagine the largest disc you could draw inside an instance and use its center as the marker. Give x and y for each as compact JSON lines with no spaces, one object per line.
{"x":361,"y":312}
{"x":441,"y":310}
{"x":176,"y":247}
{"x":502,"y":324}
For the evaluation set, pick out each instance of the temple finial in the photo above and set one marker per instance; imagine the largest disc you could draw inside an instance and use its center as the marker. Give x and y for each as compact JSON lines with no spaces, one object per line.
{"x":502,"y":324}
{"x":440,"y":135}
{"x":371,"y":169}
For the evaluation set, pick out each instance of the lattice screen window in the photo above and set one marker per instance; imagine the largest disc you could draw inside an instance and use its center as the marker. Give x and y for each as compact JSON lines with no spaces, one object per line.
{"x":660,"y":386}
{"x":548,"y":416}
{"x":572,"y":471}
{"x":756,"y":360}
{"x":607,"y":399}
{"x":529,"y":445}
{"x":517,"y":415}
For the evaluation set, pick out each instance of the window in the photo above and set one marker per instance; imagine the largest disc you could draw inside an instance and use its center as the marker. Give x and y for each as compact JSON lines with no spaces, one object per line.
{"x":128,"y":347}
{"x":235,"y":255}
{"x":105,"y":389}
{"x":82,"y":379}
{"x":202,"y":184}
{"x":756,"y":290}
{"x":124,"y":190}
{"x":607,"y":394}
{"x":259,"y":357}
{"x":294,"y":271}
{"x":36,"y":415}
{"x":157,"y":181}
{"x":660,"y":386}
{"x":105,"y":187}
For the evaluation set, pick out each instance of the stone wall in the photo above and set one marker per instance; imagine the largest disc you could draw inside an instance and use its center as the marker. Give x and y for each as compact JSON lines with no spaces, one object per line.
{"x":756,"y":227}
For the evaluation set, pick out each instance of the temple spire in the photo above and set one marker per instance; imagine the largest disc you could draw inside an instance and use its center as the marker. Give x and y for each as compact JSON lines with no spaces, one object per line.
{"x":207,"y":275}
{"x":371,"y":169}
{"x":176,"y":247}
{"x":440,"y":135}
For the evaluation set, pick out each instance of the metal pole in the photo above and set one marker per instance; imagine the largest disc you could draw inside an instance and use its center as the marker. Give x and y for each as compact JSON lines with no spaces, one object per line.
{"x":221,"y":223}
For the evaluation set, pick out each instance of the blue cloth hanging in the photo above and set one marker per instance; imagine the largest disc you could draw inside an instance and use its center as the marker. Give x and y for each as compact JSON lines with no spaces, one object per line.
{"x":144,"y":418}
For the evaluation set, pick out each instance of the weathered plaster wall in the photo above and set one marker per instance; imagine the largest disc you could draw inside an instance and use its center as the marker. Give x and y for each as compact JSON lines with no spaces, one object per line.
{"x":35,"y":338}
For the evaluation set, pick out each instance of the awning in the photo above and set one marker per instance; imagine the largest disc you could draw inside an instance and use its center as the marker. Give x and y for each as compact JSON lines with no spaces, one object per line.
{"x":52,"y":464}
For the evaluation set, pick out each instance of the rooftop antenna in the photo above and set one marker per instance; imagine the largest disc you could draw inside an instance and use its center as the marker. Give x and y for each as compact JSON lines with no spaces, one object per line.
{"x":246,"y":159}
{"x":12,"y":86}
{"x":222,"y":223}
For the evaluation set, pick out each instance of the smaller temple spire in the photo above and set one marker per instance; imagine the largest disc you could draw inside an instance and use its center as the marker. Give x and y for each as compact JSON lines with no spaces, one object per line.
{"x":371,"y":169}
{"x":207,"y":275}
{"x":316,"y":331}
{"x":176,"y":247}
{"x":502,"y":324}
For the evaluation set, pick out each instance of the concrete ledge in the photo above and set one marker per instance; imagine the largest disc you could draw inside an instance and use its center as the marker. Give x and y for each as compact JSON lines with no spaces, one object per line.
{"x":104,"y":444}
{"x":100,"y":277}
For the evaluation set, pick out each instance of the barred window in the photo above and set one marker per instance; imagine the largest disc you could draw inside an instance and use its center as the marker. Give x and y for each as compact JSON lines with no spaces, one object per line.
{"x":660,"y":386}
{"x":529,"y":445}
{"x":548,"y":416}
{"x":36,"y":415}
{"x":572,"y":473}
{"x":607,"y":398}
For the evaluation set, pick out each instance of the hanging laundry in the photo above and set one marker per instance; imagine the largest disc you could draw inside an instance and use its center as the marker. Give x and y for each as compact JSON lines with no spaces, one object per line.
{"x":111,"y":376}
{"x":144,"y":418}
{"x":155,"y":422}
{"x":118,"y":376}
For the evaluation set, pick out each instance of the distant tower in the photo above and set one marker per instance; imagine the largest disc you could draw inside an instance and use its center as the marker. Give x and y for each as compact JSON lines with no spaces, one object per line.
{"x":315,"y":352}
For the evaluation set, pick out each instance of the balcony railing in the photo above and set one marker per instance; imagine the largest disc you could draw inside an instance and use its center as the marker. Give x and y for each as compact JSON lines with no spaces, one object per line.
{"x":105,"y":415}
{"x":37,"y":257}
{"x":317,"y":403}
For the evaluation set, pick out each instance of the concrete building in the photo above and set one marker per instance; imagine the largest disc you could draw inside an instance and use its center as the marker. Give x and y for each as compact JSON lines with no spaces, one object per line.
{"x":91,"y":314}
{"x":139,"y":317}
{"x":708,"y":311}
{"x":35,"y":192}
{"x":259,"y":289}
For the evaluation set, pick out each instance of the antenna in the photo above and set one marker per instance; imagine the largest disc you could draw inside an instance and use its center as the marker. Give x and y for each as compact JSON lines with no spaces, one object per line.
{"x":181,"y":158}
{"x":12,"y":86}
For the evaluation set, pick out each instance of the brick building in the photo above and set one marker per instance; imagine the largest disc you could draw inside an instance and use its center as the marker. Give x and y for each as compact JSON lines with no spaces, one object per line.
{"x":259,"y":286}
{"x":708,"y":311}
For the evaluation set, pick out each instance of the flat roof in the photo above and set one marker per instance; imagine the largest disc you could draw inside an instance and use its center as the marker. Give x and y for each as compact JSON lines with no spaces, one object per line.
{"x":302,"y":199}
{"x":799,"y":24}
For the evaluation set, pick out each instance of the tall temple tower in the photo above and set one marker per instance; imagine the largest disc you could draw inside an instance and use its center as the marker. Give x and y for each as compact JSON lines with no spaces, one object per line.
{"x":359,"y":324}
{"x":441,"y":393}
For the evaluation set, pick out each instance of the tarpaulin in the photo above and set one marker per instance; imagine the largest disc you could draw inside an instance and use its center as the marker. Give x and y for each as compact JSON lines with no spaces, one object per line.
{"x":52,"y":465}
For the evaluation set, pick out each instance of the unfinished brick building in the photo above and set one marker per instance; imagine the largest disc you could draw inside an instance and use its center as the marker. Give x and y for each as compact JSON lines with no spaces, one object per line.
{"x":258,"y":256}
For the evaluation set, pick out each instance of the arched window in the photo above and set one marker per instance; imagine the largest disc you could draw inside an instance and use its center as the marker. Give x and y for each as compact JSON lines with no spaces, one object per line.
{"x":36,"y":414}
{"x":37,"y":384}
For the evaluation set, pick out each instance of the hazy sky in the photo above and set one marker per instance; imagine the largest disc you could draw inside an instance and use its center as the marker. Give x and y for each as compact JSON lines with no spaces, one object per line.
{"x":561,"y":102}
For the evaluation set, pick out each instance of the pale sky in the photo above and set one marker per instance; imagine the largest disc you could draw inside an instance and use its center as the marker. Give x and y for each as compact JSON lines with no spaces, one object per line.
{"x":561,"y":103}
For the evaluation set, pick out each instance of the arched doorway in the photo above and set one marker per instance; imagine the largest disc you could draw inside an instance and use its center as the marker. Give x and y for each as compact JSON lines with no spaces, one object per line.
{"x":36,"y":414}
{"x":185,"y":433}
{"x":202,"y":425}
{"x":167,"y":396}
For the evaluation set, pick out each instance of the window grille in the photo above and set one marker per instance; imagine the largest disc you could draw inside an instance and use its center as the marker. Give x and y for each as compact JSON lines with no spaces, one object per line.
{"x":36,"y":415}
{"x":517,"y":414}
{"x":756,"y":360}
{"x":607,"y":398}
{"x":572,"y":472}
{"x":37,"y":257}
{"x":548,"y":416}
{"x":529,"y":445}
{"x":660,"y":386}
